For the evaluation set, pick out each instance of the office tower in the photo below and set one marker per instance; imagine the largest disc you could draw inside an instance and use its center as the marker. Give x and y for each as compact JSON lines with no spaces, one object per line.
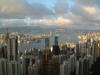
{"x":53,"y":67}
{"x":86,"y":67}
{"x":64,"y":50}
{"x":77,"y":67}
{"x":14,"y":68}
{"x":56,"y":40}
{"x":77,"y":51}
{"x":6,"y":36}
{"x":68,"y":52}
{"x":72,"y":61}
{"x":47,"y":55}
{"x":89,"y":46}
{"x":50,"y":65}
{"x":3,"y":67}
{"x":99,"y":48}
{"x":83,"y":66}
{"x":56,"y":49}
{"x":68,"y":66}
{"x":13,"y":48}
{"x":96,"y":53}
{"x":30,"y":68}
{"x":3,"y":52}
{"x":65,"y":68}
{"x":90,"y":59}
{"x":61,"y":58}
{"x":96,"y":67}
{"x":95,"y":50}
{"x":26,"y":61}
{"x":46,"y":43}
{"x":35,"y":69}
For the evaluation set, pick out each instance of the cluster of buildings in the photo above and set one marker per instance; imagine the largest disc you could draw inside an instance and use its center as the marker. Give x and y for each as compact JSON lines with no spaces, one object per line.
{"x":9,"y":60}
{"x":63,"y":59}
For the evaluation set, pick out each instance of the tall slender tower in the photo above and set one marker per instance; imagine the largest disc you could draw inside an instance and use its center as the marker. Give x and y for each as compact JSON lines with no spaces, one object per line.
{"x":46,"y":43}
{"x":56,"y":40}
{"x":6,"y":36}
{"x":56,"y":49}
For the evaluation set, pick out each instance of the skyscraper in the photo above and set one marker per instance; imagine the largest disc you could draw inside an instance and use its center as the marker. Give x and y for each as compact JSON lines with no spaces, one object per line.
{"x":6,"y":36}
{"x":46,"y":43}
{"x":65,"y":68}
{"x":14,"y":68}
{"x":3,"y":52}
{"x":3,"y":66}
{"x":56,"y":49}
{"x":83,"y":66}
{"x":13,"y":48}
{"x":56,"y":40}
{"x":50,"y":64}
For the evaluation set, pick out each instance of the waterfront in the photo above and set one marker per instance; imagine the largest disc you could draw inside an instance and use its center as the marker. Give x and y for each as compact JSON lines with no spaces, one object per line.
{"x":65,"y":35}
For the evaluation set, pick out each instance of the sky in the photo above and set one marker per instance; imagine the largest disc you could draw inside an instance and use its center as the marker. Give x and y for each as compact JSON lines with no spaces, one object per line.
{"x":63,"y":13}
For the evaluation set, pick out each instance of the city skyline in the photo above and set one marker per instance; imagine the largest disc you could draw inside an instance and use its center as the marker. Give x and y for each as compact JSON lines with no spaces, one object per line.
{"x":49,"y":37}
{"x":63,"y":13}
{"x":81,"y":58}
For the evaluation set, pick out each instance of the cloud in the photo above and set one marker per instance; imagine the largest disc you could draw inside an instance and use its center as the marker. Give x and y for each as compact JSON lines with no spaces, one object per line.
{"x":20,"y":9}
{"x":61,"y":7}
{"x":12,"y":22}
{"x":88,"y":12}
{"x":39,"y":10}
{"x":86,"y":15}
{"x":82,"y":13}
{"x":91,"y":10}
{"x":14,"y":8}
{"x":54,"y":21}
{"x":89,"y":2}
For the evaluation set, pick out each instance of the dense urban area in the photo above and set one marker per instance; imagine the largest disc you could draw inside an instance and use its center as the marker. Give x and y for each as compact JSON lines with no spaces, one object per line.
{"x":81,"y":58}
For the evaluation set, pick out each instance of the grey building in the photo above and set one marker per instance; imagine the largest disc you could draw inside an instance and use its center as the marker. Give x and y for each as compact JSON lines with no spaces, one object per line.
{"x":3,"y":66}
{"x":14,"y":68}
{"x":13,"y":48}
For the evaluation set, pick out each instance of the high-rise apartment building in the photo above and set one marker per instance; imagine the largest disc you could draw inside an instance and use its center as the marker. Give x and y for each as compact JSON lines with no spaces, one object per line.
{"x":3,"y":67}
{"x":13,"y":48}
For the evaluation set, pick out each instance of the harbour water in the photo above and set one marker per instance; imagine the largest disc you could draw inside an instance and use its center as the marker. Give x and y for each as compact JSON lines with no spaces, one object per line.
{"x":65,"y":35}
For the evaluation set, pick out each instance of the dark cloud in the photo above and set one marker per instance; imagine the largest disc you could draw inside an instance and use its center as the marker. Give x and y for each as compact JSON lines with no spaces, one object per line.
{"x":14,"y":8}
{"x":20,"y":9}
{"x":39,"y":10}
{"x":89,"y":2}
